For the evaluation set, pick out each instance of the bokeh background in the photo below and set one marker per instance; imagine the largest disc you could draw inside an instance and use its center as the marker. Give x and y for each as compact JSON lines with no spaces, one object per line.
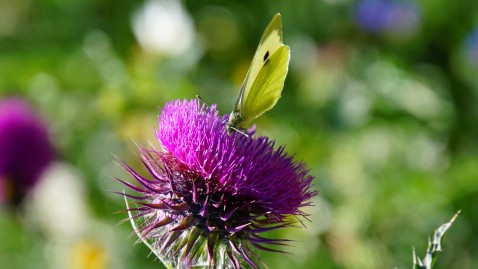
{"x":381,"y":101}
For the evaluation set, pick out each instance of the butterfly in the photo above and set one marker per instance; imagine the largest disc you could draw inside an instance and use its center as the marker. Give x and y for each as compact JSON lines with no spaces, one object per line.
{"x":264,"y":81}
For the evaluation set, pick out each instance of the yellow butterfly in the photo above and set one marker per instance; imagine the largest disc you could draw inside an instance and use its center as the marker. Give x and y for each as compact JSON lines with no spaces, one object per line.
{"x":264,"y":81}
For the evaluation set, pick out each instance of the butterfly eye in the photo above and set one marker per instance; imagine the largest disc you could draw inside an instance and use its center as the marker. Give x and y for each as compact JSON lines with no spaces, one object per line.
{"x":266,"y":56}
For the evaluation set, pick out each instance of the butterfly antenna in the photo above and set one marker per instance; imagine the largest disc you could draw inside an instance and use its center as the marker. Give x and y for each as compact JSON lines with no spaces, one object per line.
{"x":239,"y":131}
{"x":199,"y":97}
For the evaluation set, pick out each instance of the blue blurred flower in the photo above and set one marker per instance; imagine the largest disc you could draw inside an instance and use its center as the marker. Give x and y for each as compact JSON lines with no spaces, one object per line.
{"x":470,"y":46}
{"x":400,"y":18}
{"x":25,"y":149}
{"x":209,"y":196}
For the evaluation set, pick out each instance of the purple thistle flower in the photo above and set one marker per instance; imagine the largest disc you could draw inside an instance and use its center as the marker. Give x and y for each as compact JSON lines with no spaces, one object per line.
{"x":209,"y":196}
{"x":25,"y":149}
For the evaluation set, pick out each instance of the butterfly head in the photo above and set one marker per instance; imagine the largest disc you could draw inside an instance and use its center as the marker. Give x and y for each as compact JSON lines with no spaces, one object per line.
{"x":234,"y":124}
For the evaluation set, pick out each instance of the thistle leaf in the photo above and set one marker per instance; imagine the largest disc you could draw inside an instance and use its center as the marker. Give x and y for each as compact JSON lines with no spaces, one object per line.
{"x":138,"y":233}
{"x":434,"y":247}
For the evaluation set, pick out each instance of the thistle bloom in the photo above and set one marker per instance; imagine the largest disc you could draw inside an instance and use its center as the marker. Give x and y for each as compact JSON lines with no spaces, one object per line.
{"x":208,"y":196}
{"x":25,"y":149}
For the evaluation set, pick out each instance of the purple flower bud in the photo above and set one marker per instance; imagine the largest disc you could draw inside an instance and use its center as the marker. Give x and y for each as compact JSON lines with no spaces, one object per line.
{"x":208,"y":196}
{"x":25,"y":149}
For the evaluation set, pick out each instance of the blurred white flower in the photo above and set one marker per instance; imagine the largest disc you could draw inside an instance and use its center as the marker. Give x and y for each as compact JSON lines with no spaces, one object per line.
{"x":58,"y":204}
{"x":75,"y":239}
{"x":164,"y":27}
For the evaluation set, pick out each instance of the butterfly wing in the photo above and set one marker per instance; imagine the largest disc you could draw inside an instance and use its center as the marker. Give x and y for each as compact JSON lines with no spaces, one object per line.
{"x":264,"y":81}
{"x":268,"y":85}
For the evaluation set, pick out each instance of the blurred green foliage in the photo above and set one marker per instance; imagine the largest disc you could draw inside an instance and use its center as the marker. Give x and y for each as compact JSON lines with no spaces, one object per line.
{"x":387,"y":121}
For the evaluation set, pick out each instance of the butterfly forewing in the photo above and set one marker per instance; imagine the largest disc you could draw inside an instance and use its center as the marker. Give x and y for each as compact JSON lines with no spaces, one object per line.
{"x":270,"y":42}
{"x":267,"y":87}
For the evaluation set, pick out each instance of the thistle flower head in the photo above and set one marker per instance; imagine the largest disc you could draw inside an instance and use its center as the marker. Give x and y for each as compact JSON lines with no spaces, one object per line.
{"x":208,"y":196}
{"x":25,"y":149}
